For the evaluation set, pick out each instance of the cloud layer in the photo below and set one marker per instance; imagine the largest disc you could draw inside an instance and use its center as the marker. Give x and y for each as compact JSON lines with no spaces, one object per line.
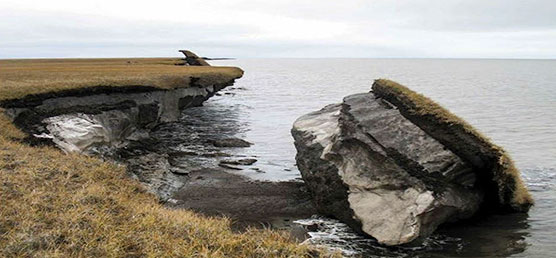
{"x":302,"y":28}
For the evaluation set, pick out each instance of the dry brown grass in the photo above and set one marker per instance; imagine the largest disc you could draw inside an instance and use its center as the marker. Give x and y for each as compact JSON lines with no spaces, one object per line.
{"x":23,"y":77}
{"x":505,"y":174}
{"x":56,"y":205}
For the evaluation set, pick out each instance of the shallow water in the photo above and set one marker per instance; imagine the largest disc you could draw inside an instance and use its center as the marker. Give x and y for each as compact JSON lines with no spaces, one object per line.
{"x":511,"y":101}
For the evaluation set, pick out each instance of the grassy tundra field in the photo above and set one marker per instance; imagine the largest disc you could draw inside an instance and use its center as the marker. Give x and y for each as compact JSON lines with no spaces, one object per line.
{"x":70,"y":205}
{"x":22,"y":77}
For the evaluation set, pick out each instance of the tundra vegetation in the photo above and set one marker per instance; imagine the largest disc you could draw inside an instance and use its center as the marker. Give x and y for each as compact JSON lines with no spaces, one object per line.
{"x":22,"y":77}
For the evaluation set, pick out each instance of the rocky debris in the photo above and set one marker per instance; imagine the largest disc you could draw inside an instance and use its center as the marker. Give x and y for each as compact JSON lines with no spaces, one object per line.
{"x":205,"y":153}
{"x":232,"y":164}
{"x":154,"y":170}
{"x":238,"y":88}
{"x":231,"y":142}
{"x":258,"y":170}
{"x":180,"y":170}
{"x":215,"y":154}
{"x":192,"y":59}
{"x":243,"y":162}
{"x":371,"y":167}
{"x":229,"y":167}
{"x":181,"y":166}
{"x":183,"y":153}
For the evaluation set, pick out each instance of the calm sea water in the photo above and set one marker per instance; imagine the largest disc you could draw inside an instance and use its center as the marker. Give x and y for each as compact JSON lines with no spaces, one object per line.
{"x":511,"y":101}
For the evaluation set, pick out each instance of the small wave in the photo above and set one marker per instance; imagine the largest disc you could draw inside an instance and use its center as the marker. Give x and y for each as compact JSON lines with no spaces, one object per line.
{"x":540,"y":178}
{"x":337,"y":236}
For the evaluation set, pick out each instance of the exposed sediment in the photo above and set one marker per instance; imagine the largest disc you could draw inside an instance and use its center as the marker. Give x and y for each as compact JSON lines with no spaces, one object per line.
{"x":215,"y":192}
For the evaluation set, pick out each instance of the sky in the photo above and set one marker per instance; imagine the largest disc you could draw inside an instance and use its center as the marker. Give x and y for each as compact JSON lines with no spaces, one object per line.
{"x":288,"y":28}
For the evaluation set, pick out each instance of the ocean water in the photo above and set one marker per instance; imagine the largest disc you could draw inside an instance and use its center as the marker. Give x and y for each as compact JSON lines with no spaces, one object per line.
{"x":511,"y":101}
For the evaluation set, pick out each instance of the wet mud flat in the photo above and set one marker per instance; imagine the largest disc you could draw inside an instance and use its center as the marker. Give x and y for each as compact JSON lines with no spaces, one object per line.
{"x":246,"y":202}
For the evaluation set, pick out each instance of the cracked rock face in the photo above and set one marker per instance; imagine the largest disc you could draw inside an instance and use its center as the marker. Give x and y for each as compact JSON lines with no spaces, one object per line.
{"x":370,"y":167}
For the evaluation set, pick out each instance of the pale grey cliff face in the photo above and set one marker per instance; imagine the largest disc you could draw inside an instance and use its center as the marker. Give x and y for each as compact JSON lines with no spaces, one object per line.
{"x":80,"y":132}
{"x":372,"y":168}
{"x":79,"y":123}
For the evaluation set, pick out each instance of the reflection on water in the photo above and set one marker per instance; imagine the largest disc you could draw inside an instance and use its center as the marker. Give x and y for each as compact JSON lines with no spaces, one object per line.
{"x":511,"y":101}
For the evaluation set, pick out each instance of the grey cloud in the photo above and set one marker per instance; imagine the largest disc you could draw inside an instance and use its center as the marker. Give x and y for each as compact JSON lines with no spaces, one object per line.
{"x":492,"y":15}
{"x":450,"y":15}
{"x":53,"y":33}
{"x":380,"y":28}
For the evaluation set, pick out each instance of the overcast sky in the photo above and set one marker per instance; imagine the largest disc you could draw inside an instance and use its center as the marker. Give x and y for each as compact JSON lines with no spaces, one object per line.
{"x":288,"y":28}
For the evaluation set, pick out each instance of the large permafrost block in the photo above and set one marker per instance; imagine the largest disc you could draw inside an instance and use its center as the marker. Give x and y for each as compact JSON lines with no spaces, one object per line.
{"x":369,"y":165}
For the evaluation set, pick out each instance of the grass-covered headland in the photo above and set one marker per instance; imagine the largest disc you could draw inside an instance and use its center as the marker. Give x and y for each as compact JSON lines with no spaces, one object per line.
{"x":70,"y":205}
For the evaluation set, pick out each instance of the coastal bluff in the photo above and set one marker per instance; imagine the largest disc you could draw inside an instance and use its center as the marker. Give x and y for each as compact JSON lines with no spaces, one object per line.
{"x":74,"y":205}
{"x":395,"y":165}
{"x":82,"y":104}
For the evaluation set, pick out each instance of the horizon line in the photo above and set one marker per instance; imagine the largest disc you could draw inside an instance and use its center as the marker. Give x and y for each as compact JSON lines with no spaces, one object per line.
{"x":235,"y":58}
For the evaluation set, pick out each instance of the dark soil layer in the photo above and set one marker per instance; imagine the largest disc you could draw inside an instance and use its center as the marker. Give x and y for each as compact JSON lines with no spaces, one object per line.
{"x":37,"y":99}
{"x":247,"y":202}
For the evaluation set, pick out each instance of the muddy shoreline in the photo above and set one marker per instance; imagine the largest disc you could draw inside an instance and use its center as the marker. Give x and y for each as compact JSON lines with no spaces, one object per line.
{"x":180,"y":163}
{"x":247,"y":202}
